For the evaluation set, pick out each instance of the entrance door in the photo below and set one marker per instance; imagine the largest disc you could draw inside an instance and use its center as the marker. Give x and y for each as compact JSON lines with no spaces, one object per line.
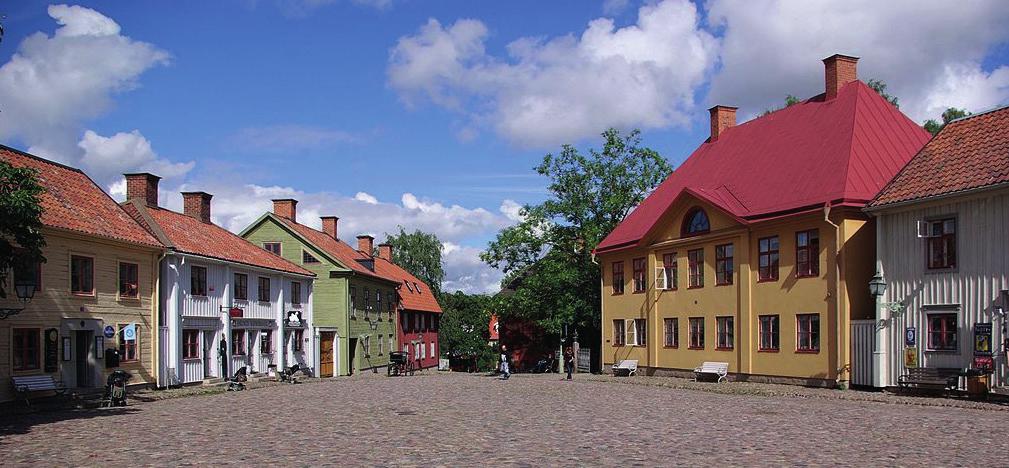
{"x":326,"y":354}
{"x":208,"y":354}
{"x":351,"y":355}
{"x":82,"y":352}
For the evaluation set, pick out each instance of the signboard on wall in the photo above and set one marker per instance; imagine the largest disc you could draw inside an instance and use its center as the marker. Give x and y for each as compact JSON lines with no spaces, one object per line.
{"x":910,"y":337}
{"x":982,"y":339}
{"x":52,"y":349}
{"x":911,"y":357}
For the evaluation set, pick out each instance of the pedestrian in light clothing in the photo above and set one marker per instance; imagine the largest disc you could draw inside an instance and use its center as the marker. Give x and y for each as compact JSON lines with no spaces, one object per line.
{"x":506,"y":357}
{"x":569,"y":361}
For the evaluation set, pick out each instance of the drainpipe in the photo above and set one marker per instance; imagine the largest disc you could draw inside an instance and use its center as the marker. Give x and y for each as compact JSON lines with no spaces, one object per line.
{"x":837,"y":288}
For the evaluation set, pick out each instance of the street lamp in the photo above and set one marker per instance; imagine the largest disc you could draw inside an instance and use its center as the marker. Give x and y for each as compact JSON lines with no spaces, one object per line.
{"x":25,"y":291}
{"x":877,"y":287}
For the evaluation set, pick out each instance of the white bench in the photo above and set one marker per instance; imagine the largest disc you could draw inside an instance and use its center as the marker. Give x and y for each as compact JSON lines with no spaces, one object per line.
{"x":627,"y":365}
{"x":719,"y":369}
{"x":24,"y":386}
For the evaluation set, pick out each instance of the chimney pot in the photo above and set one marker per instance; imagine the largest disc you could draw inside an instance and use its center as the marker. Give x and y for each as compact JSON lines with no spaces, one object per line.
{"x":197,"y":205}
{"x":142,"y":186}
{"x":385,"y":251}
{"x":365,"y":243}
{"x":838,"y":71}
{"x":286,"y":208}
{"x":722,"y":118}
{"x":329,"y":224}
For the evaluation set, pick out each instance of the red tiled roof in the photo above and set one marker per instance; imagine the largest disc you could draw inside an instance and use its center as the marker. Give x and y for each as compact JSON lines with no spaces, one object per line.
{"x":412,"y":298}
{"x":72,"y":201}
{"x":340,"y":251}
{"x":840,"y":151}
{"x":969,"y":153}
{"x":187,"y":234}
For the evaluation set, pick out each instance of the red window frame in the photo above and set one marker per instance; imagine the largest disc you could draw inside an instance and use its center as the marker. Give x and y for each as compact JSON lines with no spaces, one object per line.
{"x":197,"y":280}
{"x":129,"y":280}
{"x":190,"y":344}
{"x":695,"y":261}
{"x":770,"y":333}
{"x":807,"y":253}
{"x":640,"y":277}
{"x":726,"y":333}
{"x":807,"y":333}
{"x":669,"y":265}
{"x":82,"y":275}
{"x":129,"y":351}
{"x":619,"y":332}
{"x":941,"y":249}
{"x":266,"y":342}
{"x":696,"y":333}
{"x":263,"y":291}
{"x":671,"y":335}
{"x":298,"y":340}
{"x":25,"y":349}
{"x":618,"y":278}
{"x":296,"y":292}
{"x":272,"y":247}
{"x":943,"y":332}
{"x":768,"y":258}
{"x":241,"y":287}
{"x":238,"y":342}
{"x":724,"y":264}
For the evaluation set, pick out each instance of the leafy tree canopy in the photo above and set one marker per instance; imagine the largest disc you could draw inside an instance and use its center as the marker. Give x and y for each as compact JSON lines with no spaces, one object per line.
{"x":789,"y":102}
{"x":419,"y":253}
{"x":949,"y":115}
{"x":21,"y":214}
{"x":880,"y":87}
{"x":463,"y":330}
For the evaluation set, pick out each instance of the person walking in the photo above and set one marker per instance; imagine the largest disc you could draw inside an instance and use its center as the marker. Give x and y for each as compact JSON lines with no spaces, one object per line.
{"x":569,"y":361}
{"x":506,"y":357}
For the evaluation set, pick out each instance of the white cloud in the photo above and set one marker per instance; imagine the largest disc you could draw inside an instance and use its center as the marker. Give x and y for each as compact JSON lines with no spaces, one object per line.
{"x":105,"y":159}
{"x":928,"y":52}
{"x":550,"y":91}
{"x":512,"y":210}
{"x":615,"y":7}
{"x":464,"y":271}
{"x":366,"y":197}
{"x":289,"y":138}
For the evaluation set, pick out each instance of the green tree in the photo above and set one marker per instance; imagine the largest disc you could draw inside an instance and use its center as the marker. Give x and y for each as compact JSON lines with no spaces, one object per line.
{"x":949,"y":115}
{"x":880,"y":87}
{"x":789,"y":102}
{"x":21,"y":214}
{"x":547,"y":256}
{"x":463,"y":330}
{"x":419,"y":253}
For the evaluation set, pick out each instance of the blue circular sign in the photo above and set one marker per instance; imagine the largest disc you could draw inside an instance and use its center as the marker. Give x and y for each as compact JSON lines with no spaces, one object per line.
{"x":109,"y":331}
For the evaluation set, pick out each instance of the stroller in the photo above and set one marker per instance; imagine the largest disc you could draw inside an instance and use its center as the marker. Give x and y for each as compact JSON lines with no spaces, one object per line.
{"x":237,"y":383}
{"x":545,"y":365}
{"x":287,"y":375}
{"x":115,"y":388}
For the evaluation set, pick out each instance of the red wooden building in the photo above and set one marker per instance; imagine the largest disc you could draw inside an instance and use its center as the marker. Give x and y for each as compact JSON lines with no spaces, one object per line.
{"x":419,"y":311}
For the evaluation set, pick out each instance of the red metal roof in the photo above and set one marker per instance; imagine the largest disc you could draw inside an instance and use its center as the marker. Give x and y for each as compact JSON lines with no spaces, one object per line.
{"x":969,"y":153}
{"x":417,"y":296}
{"x":72,"y":201}
{"x":840,"y":151}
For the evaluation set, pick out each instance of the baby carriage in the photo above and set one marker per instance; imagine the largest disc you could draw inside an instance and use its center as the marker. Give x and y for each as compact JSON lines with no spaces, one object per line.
{"x":115,"y":388}
{"x":237,"y":382}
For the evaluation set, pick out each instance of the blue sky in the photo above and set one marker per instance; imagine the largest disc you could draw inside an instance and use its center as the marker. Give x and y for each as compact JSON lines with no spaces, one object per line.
{"x":432,"y":114}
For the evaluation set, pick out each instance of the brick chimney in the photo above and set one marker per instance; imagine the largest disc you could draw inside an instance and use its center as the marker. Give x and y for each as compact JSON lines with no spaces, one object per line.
{"x":838,"y":70}
{"x":142,"y":186}
{"x":722,"y":117}
{"x":385,"y":251}
{"x":286,"y":208}
{"x":197,"y":205}
{"x":365,"y":243}
{"x":329,"y":225}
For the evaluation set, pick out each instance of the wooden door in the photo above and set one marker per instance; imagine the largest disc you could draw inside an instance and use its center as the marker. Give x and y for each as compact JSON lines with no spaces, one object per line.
{"x":326,"y":354}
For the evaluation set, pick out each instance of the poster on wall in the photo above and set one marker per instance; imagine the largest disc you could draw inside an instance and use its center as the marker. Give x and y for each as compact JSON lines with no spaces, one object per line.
{"x":52,"y":350}
{"x":911,"y":357}
{"x":982,"y":339}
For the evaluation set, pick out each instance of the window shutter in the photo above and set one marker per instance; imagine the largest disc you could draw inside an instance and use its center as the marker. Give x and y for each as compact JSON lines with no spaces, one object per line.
{"x":661,"y":281}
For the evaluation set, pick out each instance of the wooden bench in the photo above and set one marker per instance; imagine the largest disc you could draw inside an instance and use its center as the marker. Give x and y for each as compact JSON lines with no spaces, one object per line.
{"x":628,"y":367}
{"x":719,"y":370}
{"x":26,"y":385}
{"x":930,"y":378}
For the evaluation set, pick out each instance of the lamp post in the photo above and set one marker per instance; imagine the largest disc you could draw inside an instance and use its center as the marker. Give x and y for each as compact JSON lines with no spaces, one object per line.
{"x":25,"y":291}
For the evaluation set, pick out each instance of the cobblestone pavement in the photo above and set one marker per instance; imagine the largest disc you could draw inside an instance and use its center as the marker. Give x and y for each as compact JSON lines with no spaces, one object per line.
{"x":468,"y":420}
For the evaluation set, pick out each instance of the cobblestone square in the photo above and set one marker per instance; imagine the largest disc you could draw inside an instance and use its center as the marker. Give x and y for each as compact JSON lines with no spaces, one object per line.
{"x":472,"y":420}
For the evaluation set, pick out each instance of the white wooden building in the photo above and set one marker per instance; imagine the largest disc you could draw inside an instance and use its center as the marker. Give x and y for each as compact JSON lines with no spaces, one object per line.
{"x":224,"y":303}
{"x":942,"y":238}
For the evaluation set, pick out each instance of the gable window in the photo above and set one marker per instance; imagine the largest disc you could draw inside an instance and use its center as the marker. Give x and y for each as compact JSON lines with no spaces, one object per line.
{"x":619,"y":333}
{"x":942,"y":332}
{"x":807,"y":253}
{"x":639,"y":275}
{"x":695,"y":261}
{"x":769,"y":339}
{"x":241,"y":287}
{"x":669,"y":268}
{"x":190,"y":344}
{"x":26,"y":348}
{"x":296,"y":292}
{"x":264,"y":289}
{"x":129,"y":287}
{"x":272,"y":247}
{"x":695,"y":223}
{"x":726,"y":336}
{"x":767,"y":248}
{"x":941,"y":236}
{"x":238,"y":342}
{"x":129,"y":349}
{"x":671,"y":327}
{"x":308,"y":258}
{"x":82,"y":275}
{"x":723,"y":264}
{"x":807,"y":335}
{"x":696,"y":332}
{"x":197,"y":281}
{"x":618,"y":277}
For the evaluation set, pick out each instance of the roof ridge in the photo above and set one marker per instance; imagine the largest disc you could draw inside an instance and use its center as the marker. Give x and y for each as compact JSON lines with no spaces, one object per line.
{"x":40,"y":158}
{"x":987,"y":111}
{"x":851,"y":140}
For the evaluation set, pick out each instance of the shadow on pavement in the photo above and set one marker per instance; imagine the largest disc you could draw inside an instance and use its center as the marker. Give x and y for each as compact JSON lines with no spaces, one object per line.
{"x":11,"y":424}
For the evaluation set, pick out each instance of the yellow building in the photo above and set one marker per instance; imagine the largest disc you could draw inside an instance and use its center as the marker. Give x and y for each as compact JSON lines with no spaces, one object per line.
{"x":99,"y":279}
{"x":755,"y":251}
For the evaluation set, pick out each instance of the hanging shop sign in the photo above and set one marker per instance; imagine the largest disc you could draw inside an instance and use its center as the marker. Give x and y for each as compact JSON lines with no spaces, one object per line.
{"x":130,"y":332}
{"x":109,"y":331}
{"x":236,"y":312}
{"x":910,"y":337}
{"x":911,"y":357}
{"x":294,"y":319}
{"x":982,"y":339}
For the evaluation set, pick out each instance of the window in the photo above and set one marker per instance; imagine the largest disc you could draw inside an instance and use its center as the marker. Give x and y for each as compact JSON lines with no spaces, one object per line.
{"x":190,"y":344}
{"x":353,"y":302}
{"x":197,"y":281}
{"x":422,"y":349}
{"x":695,"y":223}
{"x":768,"y":258}
{"x":807,"y":335}
{"x":942,"y":332}
{"x":672,"y":332}
{"x":941,"y":236}
{"x":408,"y":286}
{"x":308,"y":258}
{"x":367,"y":300}
{"x":238,"y":342}
{"x":299,"y":340}
{"x":241,"y":287}
{"x":618,"y":277}
{"x":366,"y":344}
{"x":433,"y":354}
{"x":266,"y":342}
{"x":295,"y":292}
{"x":723,"y":264}
{"x":639,"y":334}
{"x":26,"y":348}
{"x":669,"y":267}
{"x":619,"y":333}
{"x":726,"y":337}
{"x":264,"y":289}
{"x":695,"y":260}
{"x":417,"y":288}
{"x":272,"y":247}
{"x":391,"y":345}
{"x":769,"y":333}
{"x":129,"y":281}
{"x":639,"y":275}
{"x":697,"y":333}
{"x":381,"y":346}
{"x":378,"y":304}
{"x":82,"y":275}
{"x":129,"y":349}
{"x":807,"y":253}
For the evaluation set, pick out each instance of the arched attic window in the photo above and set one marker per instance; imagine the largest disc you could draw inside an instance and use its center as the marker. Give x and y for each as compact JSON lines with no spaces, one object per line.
{"x":695,"y":223}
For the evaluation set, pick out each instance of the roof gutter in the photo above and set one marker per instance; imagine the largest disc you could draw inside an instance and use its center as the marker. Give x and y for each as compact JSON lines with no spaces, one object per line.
{"x":243,"y":264}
